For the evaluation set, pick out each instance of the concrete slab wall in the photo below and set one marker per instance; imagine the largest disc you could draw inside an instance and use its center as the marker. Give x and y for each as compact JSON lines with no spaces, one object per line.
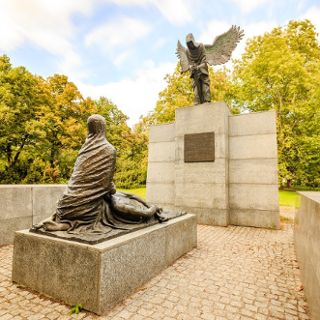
{"x":203,"y":185}
{"x":307,"y":244}
{"x":240,"y":187}
{"x":253,"y":176}
{"x":161,"y":161}
{"x":24,"y":205}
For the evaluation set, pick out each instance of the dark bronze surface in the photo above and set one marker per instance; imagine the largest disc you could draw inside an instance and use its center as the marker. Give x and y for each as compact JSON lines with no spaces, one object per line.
{"x":199,"y":147}
{"x":196,"y":57}
{"x":91,"y":210}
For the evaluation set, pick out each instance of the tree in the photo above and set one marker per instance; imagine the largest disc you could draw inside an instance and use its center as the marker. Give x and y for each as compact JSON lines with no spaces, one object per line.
{"x":60,"y":127}
{"x":44,"y":123}
{"x":279,"y":71}
{"x":21,"y":95}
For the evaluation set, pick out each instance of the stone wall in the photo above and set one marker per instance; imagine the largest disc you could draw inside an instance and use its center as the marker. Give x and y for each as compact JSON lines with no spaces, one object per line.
{"x":240,"y":187}
{"x":203,"y":187}
{"x":307,"y":244}
{"x":21,"y":206}
{"x":161,"y":165}
{"x":253,"y":175}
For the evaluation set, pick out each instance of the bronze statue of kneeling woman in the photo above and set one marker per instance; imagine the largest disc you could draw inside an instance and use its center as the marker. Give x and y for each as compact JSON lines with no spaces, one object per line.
{"x":90,"y":204}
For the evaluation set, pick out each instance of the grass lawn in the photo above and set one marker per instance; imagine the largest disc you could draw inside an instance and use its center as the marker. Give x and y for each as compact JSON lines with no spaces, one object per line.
{"x":140,"y":192}
{"x":289,"y":198}
{"x":286,"y":198}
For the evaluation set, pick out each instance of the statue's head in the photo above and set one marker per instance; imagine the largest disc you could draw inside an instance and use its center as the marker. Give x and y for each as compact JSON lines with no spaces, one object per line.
{"x":96,"y":125}
{"x":191,"y":43}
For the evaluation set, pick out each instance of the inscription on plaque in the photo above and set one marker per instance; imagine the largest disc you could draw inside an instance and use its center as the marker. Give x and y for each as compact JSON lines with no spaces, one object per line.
{"x":199,"y":147}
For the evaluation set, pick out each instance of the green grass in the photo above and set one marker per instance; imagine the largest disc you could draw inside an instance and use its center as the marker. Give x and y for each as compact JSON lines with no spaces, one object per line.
{"x":286,"y":198}
{"x":289,"y":199}
{"x":140,"y":192}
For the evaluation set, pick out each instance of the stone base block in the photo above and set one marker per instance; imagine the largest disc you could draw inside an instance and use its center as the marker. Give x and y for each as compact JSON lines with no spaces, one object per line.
{"x":102,"y":275}
{"x":255,"y":218}
{"x":208,"y":216}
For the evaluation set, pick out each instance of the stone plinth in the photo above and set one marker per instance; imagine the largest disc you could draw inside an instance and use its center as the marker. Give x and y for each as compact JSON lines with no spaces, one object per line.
{"x":239,"y":187}
{"x":307,"y":244}
{"x":102,"y":275}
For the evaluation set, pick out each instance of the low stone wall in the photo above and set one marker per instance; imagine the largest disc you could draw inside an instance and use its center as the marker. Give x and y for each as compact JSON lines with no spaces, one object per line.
{"x":21,"y":206}
{"x":307,"y":244}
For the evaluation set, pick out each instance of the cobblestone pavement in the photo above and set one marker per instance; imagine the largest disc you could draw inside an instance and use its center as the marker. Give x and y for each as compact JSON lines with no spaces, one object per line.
{"x":288,"y":212}
{"x":235,"y":273}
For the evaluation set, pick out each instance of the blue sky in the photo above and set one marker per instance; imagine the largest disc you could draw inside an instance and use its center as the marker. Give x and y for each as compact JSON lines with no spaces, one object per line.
{"x":122,"y":49}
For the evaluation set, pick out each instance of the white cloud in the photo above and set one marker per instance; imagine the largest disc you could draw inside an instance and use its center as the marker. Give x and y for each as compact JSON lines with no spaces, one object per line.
{"x":252,"y":30}
{"x":178,"y":12}
{"x":248,"y":6}
{"x":215,"y":28}
{"x":43,"y":23}
{"x":120,"y":32}
{"x":137,"y":95}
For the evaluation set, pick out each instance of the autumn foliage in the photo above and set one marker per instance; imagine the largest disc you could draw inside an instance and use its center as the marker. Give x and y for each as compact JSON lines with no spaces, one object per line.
{"x":43,"y":121}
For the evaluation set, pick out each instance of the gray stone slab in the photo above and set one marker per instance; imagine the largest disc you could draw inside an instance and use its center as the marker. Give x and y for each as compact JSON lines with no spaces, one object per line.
{"x":9,"y":226}
{"x":162,"y":133}
{"x":99,"y":276}
{"x":60,"y":269}
{"x":201,"y":172}
{"x":129,"y":266}
{"x":253,"y":123}
{"x":254,"y":196}
{"x":160,"y":192}
{"x":180,"y":238}
{"x":307,"y":244}
{"x":15,"y":201}
{"x":253,"y":171}
{"x":201,"y":195}
{"x":45,"y":198}
{"x":161,"y":151}
{"x":253,"y":147}
{"x":202,"y":118}
{"x":254,"y":218}
{"x":161,"y":172}
{"x":208,"y":216}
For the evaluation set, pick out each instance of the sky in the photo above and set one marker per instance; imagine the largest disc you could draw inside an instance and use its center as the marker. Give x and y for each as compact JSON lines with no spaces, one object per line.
{"x":122,"y":49}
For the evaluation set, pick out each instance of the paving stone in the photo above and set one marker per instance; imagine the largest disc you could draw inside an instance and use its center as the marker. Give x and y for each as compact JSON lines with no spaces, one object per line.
{"x":235,"y":273}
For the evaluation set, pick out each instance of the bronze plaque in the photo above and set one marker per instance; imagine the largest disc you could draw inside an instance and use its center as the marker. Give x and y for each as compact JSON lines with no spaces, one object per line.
{"x":199,"y":147}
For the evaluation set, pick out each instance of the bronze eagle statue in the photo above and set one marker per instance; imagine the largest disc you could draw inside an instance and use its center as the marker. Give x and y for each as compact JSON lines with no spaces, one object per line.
{"x":196,"y":57}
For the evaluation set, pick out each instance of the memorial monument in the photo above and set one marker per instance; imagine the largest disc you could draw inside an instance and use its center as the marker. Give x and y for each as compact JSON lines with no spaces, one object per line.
{"x":219,"y":166}
{"x":115,"y":242}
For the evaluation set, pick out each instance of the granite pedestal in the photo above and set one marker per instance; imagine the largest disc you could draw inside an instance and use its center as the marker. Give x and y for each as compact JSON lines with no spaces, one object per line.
{"x":100,"y":276}
{"x":232,"y":177}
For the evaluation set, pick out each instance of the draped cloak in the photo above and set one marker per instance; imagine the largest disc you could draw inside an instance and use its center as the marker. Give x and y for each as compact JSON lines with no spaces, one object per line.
{"x":90,"y":204}
{"x":91,"y":180}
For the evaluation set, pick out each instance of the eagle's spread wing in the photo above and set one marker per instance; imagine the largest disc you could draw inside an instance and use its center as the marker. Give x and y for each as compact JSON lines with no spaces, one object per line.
{"x":220,"y":51}
{"x":182,"y":55}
